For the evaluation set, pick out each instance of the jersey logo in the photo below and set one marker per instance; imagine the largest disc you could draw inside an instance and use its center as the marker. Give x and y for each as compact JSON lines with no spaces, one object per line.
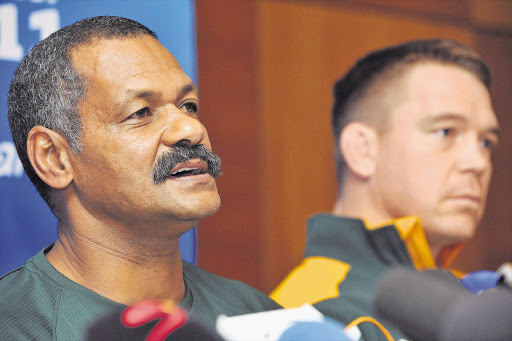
{"x":315,"y":280}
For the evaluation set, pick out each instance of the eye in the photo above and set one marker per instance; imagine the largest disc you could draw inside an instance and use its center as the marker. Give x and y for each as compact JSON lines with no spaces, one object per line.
{"x":489,"y":143}
{"x":189,"y":107}
{"x":445,"y":132}
{"x":141,"y":113}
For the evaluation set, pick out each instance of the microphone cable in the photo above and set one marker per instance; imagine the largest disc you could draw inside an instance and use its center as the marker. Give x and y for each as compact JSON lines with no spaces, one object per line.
{"x":369,"y":319}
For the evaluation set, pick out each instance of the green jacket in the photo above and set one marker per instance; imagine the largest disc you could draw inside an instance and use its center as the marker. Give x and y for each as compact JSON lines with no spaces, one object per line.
{"x":343,"y":262}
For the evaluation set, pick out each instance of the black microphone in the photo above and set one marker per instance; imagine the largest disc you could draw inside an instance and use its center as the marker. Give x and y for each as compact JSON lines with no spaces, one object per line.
{"x":433,"y":305}
{"x":151,"y":320}
{"x":486,"y":316}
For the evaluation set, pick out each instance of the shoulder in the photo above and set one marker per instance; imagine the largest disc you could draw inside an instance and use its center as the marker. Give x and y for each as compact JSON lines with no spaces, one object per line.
{"x":25,"y":283}
{"x":38,"y":303}
{"x":26,"y":301}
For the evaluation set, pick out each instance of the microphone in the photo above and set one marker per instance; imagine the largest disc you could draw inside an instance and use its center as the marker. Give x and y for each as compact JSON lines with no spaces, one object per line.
{"x":478,"y":281}
{"x":505,"y":272}
{"x":487,"y":316}
{"x":434,"y":305}
{"x":172,"y":317}
{"x":149,"y":320}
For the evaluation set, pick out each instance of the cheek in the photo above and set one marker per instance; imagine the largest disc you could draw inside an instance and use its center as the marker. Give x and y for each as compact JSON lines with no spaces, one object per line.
{"x":485,"y":181}
{"x":130,"y":166}
{"x":115,"y":165}
{"x":422,"y":181}
{"x":132,"y":154}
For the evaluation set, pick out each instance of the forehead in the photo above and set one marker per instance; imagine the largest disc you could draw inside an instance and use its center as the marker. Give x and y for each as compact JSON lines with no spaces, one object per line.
{"x":435,"y":89}
{"x":111,"y":67}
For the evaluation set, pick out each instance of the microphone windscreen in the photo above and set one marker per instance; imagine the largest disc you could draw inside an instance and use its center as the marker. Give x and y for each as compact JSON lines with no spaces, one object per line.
{"x":417,"y":302}
{"x":487,"y":316}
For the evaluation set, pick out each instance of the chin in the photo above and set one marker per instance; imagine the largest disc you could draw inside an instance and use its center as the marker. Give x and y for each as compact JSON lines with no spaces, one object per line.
{"x":211,"y":211}
{"x":454,"y":231}
{"x":200,"y":210}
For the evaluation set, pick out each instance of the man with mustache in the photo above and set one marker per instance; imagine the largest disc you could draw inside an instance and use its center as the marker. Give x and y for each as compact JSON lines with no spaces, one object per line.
{"x":106,"y":125}
{"x":414,"y":129}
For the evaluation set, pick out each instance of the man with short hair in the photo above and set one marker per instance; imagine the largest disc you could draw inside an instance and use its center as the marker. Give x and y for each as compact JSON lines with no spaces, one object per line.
{"x":414,"y":129}
{"x":106,"y":125}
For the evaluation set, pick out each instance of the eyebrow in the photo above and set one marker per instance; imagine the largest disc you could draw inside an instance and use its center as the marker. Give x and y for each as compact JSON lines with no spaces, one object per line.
{"x":131,"y":93}
{"x":188,"y":89}
{"x":495,"y":130}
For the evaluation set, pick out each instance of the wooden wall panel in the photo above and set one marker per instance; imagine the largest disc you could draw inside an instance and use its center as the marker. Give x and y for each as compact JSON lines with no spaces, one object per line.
{"x":228,"y":242}
{"x":266,"y":70}
{"x":493,"y":15}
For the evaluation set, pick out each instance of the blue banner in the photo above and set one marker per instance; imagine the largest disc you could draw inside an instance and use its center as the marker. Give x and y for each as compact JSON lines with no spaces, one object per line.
{"x":26,"y":223}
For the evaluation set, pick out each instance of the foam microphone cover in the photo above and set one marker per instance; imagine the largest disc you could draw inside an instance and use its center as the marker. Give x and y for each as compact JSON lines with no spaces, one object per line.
{"x":417,"y":302}
{"x":487,"y":316}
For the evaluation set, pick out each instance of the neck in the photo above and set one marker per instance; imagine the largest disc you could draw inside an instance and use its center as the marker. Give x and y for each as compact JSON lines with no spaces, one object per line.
{"x":356,"y":201}
{"x":435,"y":251}
{"x":124,"y":269}
{"x":445,"y":254}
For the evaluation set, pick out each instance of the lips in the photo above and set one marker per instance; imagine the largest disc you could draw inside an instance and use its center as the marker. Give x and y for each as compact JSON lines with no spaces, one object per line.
{"x":189,"y":168}
{"x":469,"y":197}
{"x":466,"y":201}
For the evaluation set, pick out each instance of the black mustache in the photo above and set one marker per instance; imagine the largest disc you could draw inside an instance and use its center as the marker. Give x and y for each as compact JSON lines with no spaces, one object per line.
{"x":181,"y":152}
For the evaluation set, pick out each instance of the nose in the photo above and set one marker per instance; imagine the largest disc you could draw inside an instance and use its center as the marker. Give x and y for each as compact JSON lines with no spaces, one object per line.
{"x":473,"y":156}
{"x":182,"y":127}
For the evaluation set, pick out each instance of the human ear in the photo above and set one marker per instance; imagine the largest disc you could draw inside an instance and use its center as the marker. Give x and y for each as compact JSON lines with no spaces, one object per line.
{"x":48,"y":155}
{"x":358,"y":145}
